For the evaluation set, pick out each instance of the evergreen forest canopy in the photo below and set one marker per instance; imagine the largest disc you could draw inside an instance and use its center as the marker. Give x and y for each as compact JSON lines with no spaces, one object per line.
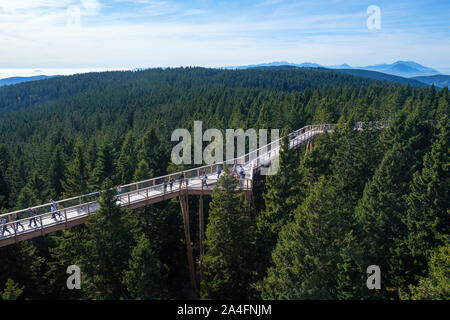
{"x":359,"y":198}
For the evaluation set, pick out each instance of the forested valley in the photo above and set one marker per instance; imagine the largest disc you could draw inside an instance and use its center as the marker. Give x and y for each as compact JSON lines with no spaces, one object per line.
{"x":378,"y":196}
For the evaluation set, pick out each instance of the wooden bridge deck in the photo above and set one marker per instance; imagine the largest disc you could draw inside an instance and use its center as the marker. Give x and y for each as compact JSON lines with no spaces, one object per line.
{"x":77,"y":210}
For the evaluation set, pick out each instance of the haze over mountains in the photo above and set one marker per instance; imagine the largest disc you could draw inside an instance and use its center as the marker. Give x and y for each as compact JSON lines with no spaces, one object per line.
{"x":406,"y":69}
{"x":15,"y":80}
{"x":399,"y":71}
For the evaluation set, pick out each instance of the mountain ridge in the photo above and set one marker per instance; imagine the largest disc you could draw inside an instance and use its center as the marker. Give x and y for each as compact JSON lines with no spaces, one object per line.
{"x":17,"y":80}
{"x":406,"y":69}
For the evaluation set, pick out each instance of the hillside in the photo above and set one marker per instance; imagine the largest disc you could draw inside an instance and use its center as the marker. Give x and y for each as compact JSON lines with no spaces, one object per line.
{"x":383,"y":77}
{"x":440,"y":80}
{"x":37,"y":93}
{"x":358,"y":198}
{"x":16,"y":80}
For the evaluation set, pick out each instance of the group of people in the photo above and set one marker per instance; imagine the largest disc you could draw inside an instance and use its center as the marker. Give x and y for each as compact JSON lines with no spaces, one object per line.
{"x":32,"y":215}
{"x":239,"y":172}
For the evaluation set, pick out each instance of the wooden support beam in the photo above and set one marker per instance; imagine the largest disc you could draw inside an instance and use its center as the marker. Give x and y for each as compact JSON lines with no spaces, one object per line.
{"x":202,"y":236}
{"x":187,"y":234}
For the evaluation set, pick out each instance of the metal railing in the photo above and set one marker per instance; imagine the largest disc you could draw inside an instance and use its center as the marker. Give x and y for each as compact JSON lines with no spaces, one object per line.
{"x":124,"y":199}
{"x":84,"y":204}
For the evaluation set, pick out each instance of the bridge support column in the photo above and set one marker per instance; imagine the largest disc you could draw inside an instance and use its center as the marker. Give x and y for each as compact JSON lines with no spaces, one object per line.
{"x":309,"y":146}
{"x":187,"y":233}
{"x":202,"y":236}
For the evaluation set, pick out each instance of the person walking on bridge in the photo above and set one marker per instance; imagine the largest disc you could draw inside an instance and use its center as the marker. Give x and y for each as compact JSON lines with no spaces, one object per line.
{"x":54,"y":209}
{"x":219,"y":171}
{"x":18,"y":223}
{"x":5,"y":227}
{"x":32,"y":214}
{"x":241,"y":175}
{"x":171,"y":183}
{"x":181,"y":178}
{"x":234,"y":170}
{"x":204,"y":177}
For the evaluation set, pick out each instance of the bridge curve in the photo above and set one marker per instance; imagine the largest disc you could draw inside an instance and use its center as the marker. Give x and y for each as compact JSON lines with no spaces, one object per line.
{"x":76,"y":210}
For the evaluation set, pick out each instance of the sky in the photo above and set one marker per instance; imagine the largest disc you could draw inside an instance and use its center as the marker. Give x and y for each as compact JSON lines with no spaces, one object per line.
{"x":70,"y":36}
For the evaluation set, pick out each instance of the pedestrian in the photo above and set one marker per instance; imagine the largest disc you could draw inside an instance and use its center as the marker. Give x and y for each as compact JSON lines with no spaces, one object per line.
{"x":181,"y":178}
{"x":54,"y":209}
{"x":119,"y":189}
{"x":5,"y":226}
{"x":242,"y":172}
{"x":204,"y":178}
{"x":18,"y":223}
{"x":32,"y":214}
{"x":171,"y":183}
{"x":219,"y":171}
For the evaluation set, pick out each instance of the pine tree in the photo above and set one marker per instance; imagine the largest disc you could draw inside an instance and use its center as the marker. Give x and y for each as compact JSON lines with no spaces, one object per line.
{"x":39,"y":187}
{"x":108,"y":247}
{"x":127,"y":161}
{"x":229,"y":244}
{"x":381,"y":212}
{"x":105,"y":166}
{"x":92,"y":152}
{"x":77,"y":179}
{"x":151,"y":151}
{"x":429,"y":200}
{"x":143,"y":278}
{"x":143,"y":171}
{"x":27,"y":198}
{"x":28,"y":268}
{"x":436,"y":286}
{"x":12,"y":290}
{"x":278,"y":203}
{"x":5,"y":159}
{"x":56,"y":172}
{"x":315,"y":254}
{"x":71,"y":249}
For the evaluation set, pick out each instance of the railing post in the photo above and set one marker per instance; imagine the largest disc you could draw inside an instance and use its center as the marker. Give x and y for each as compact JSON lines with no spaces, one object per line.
{"x":128,"y":199}
{"x":65,"y":217}
{"x":42,"y":226}
{"x":88,"y":209}
{"x":146,"y":194}
{"x":15,"y":227}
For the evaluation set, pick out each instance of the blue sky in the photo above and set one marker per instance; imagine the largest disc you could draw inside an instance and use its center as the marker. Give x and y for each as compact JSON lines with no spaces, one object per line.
{"x":123,"y":34}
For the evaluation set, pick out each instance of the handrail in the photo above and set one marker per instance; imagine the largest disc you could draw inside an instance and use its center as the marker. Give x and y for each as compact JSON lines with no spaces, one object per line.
{"x":268,"y":149}
{"x":182,"y":186}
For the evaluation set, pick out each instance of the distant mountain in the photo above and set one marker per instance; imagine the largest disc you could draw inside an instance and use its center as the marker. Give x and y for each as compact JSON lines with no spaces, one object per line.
{"x":440,"y":80}
{"x":407,"y":69}
{"x":277,"y":64}
{"x":340,"y":66}
{"x":383,"y":77}
{"x":345,"y":68}
{"x":16,"y":80}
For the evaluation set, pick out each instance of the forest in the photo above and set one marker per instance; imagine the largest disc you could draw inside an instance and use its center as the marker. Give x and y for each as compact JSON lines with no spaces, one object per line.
{"x":378,"y":196}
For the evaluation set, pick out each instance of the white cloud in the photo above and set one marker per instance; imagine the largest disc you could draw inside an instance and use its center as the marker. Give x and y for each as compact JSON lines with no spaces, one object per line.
{"x":33,"y":34}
